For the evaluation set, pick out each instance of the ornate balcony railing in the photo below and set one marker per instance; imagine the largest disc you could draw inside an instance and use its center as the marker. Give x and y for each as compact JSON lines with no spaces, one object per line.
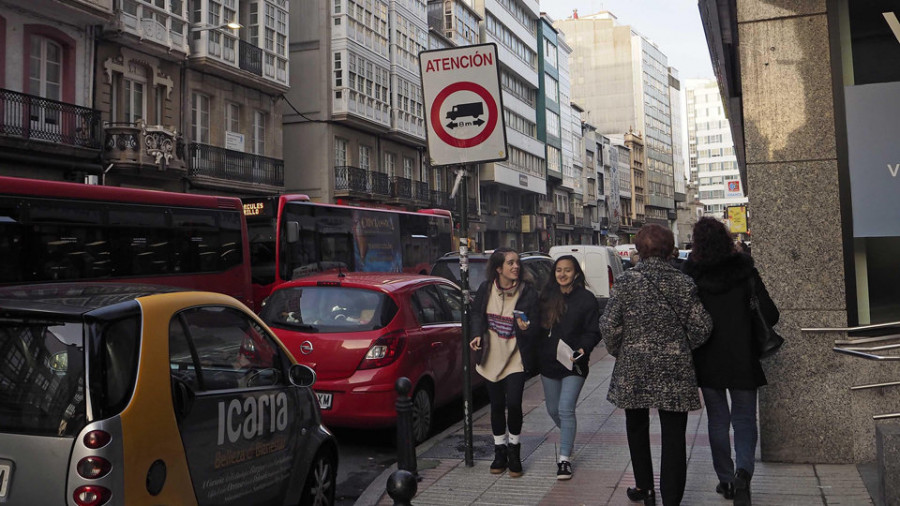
{"x":37,"y":118}
{"x":440,"y":199}
{"x":420,"y":192}
{"x":141,"y":145}
{"x":250,"y":57}
{"x":351,"y":179}
{"x":230,"y":165}
{"x":401,"y":188}
{"x":381,"y":185}
{"x":472,"y":209}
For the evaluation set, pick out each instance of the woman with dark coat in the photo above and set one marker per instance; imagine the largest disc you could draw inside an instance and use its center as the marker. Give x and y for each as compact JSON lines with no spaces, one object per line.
{"x":652,"y":322}
{"x":728,"y":362}
{"x":507,"y":348}
{"x":571,"y":314}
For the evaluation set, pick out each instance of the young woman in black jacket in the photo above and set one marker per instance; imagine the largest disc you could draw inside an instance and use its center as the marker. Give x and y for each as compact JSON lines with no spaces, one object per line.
{"x":728,"y":362}
{"x":572,"y":315}
{"x":507,"y":348}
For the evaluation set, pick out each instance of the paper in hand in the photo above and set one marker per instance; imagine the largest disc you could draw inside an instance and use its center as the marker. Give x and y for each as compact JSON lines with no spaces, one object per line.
{"x":564,"y":354}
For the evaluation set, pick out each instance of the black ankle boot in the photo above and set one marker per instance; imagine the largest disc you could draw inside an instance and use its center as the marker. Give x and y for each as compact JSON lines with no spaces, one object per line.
{"x":726,"y":489}
{"x":514,"y":459}
{"x":638,"y":495}
{"x":742,"y":488}
{"x":500,"y":460}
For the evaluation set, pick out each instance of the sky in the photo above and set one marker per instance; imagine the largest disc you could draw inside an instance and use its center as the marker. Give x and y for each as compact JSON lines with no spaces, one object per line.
{"x":674,"y":25}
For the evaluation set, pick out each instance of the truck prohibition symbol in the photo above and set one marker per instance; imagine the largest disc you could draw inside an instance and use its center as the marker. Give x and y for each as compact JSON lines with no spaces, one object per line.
{"x":473,"y":109}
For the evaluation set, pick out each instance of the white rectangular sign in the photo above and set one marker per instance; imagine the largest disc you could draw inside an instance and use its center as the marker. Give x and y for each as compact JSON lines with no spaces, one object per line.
{"x":463,"y":105}
{"x":234,"y":140}
{"x":733,"y":188}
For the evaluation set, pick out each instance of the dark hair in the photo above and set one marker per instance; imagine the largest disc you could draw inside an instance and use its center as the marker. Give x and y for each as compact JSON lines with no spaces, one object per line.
{"x":653,"y":240}
{"x":496,"y":261}
{"x":712,"y":241}
{"x":553,"y":303}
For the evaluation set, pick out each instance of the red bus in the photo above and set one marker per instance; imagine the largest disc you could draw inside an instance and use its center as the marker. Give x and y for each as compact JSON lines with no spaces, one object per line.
{"x":291,"y":237}
{"x":53,"y":231}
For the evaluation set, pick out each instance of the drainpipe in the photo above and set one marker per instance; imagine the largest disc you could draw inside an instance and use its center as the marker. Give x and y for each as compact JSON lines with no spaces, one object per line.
{"x":103,"y":176}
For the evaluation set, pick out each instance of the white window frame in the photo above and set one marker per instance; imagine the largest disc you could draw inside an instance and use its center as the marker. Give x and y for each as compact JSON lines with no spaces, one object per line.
{"x":200,"y":117}
{"x":258,"y":138}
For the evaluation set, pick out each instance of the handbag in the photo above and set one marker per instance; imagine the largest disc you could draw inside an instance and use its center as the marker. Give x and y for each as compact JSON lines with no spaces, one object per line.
{"x":766,"y":340}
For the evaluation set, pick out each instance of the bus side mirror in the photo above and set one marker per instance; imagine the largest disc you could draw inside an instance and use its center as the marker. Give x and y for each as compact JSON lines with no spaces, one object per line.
{"x":293,"y":231}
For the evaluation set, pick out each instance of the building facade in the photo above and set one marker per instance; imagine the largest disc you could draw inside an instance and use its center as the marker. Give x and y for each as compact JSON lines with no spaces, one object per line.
{"x":623,"y":79}
{"x":812,"y":102}
{"x":149,"y":95}
{"x":714,"y":165}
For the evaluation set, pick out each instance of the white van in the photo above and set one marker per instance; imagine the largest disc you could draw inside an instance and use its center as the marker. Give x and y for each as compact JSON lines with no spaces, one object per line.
{"x":601,"y":266}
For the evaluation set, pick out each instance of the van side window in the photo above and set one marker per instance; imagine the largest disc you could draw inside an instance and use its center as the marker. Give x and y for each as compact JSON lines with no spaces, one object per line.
{"x":229,"y":350}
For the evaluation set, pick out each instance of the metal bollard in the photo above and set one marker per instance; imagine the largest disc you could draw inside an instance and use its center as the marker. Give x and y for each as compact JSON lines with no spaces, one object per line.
{"x":406,"y":447}
{"x":402,"y":487}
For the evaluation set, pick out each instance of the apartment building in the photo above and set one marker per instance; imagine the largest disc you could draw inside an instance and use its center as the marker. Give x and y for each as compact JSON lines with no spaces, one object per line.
{"x":623,"y":79}
{"x":714,"y":166}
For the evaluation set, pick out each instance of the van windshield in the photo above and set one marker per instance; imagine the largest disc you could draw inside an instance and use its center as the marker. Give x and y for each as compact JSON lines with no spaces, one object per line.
{"x":42,"y":388}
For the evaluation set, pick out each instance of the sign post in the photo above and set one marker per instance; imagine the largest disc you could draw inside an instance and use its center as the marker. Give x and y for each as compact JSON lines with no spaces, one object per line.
{"x":465,"y":126}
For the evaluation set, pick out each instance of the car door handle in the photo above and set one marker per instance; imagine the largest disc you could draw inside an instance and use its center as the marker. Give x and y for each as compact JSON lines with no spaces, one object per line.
{"x":437,"y":344}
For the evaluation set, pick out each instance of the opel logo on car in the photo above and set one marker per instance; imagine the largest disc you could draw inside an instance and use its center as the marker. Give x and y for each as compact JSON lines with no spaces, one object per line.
{"x":306,"y":347}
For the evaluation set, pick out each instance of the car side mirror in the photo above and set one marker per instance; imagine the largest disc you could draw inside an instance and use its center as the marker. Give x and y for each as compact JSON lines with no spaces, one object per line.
{"x":302,"y":376}
{"x":293,"y":231}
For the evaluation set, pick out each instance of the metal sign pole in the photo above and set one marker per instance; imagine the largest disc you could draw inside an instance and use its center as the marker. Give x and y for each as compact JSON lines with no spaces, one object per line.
{"x":464,"y":281}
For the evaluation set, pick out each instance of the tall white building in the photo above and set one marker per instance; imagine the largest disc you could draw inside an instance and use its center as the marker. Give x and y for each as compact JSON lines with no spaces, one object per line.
{"x":714,"y":166}
{"x":622,"y":79}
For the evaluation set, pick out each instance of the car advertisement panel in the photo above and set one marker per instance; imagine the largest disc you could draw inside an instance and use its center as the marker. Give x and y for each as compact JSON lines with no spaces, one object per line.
{"x":241,"y":447}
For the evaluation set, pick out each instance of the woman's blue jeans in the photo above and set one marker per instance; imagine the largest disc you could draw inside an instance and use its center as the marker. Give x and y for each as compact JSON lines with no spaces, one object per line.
{"x":561,"y":396}
{"x":741,"y":416}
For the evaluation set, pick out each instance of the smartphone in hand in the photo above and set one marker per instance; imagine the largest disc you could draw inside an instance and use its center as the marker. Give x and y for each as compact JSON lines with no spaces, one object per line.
{"x":520,"y":315}
{"x":577,"y":355}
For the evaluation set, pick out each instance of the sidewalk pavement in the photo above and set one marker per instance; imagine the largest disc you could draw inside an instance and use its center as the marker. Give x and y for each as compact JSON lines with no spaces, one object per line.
{"x":602,"y":465}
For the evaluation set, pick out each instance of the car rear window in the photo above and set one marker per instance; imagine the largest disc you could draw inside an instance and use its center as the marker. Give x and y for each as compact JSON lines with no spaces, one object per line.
{"x":42,"y":381}
{"x":450,"y":269}
{"x":328,"y":309}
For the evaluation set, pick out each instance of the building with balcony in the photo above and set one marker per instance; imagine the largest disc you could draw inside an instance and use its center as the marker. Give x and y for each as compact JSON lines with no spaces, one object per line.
{"x":189,"y":103}
{"x":714,"y":166}
{"x":355,"y":128}
{"x":512,"y":191}
{"x":623,"y":79}
{"x":48,"y":126}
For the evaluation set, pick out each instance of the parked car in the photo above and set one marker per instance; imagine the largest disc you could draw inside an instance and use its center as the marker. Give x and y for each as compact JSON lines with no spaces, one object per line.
{"x":537,"y":266}
{"x":362,"y":331}
{"x":140,"y":395}
{"x":601,"y":266}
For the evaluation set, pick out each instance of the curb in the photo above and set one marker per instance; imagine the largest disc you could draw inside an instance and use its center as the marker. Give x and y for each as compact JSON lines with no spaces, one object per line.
{"x":377,"y":489}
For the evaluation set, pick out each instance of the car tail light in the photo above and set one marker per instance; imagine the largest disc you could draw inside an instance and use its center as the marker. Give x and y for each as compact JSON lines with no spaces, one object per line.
{"x":96,"y":439}
{"x":93,"y":467}
{"x":384,"y":351}
{"x":91,"y":495}
{"x":611,"y":277}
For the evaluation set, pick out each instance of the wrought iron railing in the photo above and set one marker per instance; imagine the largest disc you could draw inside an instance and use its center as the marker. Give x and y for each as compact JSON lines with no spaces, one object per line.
{"x":38,"y":118}
{"x":401,"y":188}
{"x":347,"y":178}
{"x":420,"y":191}
{"x":381,"y":184}
{"x":472,"y":208}
{"x":230,"y":165}
{"x":250,"y":57}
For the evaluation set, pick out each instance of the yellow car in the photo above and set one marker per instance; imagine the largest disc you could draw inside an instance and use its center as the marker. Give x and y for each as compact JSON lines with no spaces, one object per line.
{"x":130,"y":394}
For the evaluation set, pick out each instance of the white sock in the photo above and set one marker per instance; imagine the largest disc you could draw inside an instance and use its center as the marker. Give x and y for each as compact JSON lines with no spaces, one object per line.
{"x":564,"y":458}
{"x":500,"y":440}
{"x":513,"y":439}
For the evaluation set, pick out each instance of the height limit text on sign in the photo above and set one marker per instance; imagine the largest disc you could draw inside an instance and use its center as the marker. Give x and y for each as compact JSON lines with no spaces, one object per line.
{"x":465,"y":111}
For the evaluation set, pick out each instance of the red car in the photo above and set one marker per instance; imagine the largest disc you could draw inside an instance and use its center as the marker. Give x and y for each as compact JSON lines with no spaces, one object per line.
{"x":362,"y":331}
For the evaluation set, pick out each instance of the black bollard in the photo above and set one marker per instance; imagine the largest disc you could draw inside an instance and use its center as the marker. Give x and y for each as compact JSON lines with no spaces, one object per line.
{"x":406,"y":446}
{"x":402,"y":487}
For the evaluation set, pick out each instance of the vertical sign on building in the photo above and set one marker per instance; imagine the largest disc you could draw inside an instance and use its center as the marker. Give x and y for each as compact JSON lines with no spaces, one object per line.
{"x":463,"y":105}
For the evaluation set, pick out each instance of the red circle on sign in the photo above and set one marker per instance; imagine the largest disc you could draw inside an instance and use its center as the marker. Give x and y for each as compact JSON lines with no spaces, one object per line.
{"x":436,"y":114}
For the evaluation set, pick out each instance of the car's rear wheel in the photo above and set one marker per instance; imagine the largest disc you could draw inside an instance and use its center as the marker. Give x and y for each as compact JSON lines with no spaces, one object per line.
{"x":422,"y":412}
{"x":321,"y":481}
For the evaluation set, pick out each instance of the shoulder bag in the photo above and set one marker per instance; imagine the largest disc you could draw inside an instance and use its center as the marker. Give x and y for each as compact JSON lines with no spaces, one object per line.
{"x":767,"y":341}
